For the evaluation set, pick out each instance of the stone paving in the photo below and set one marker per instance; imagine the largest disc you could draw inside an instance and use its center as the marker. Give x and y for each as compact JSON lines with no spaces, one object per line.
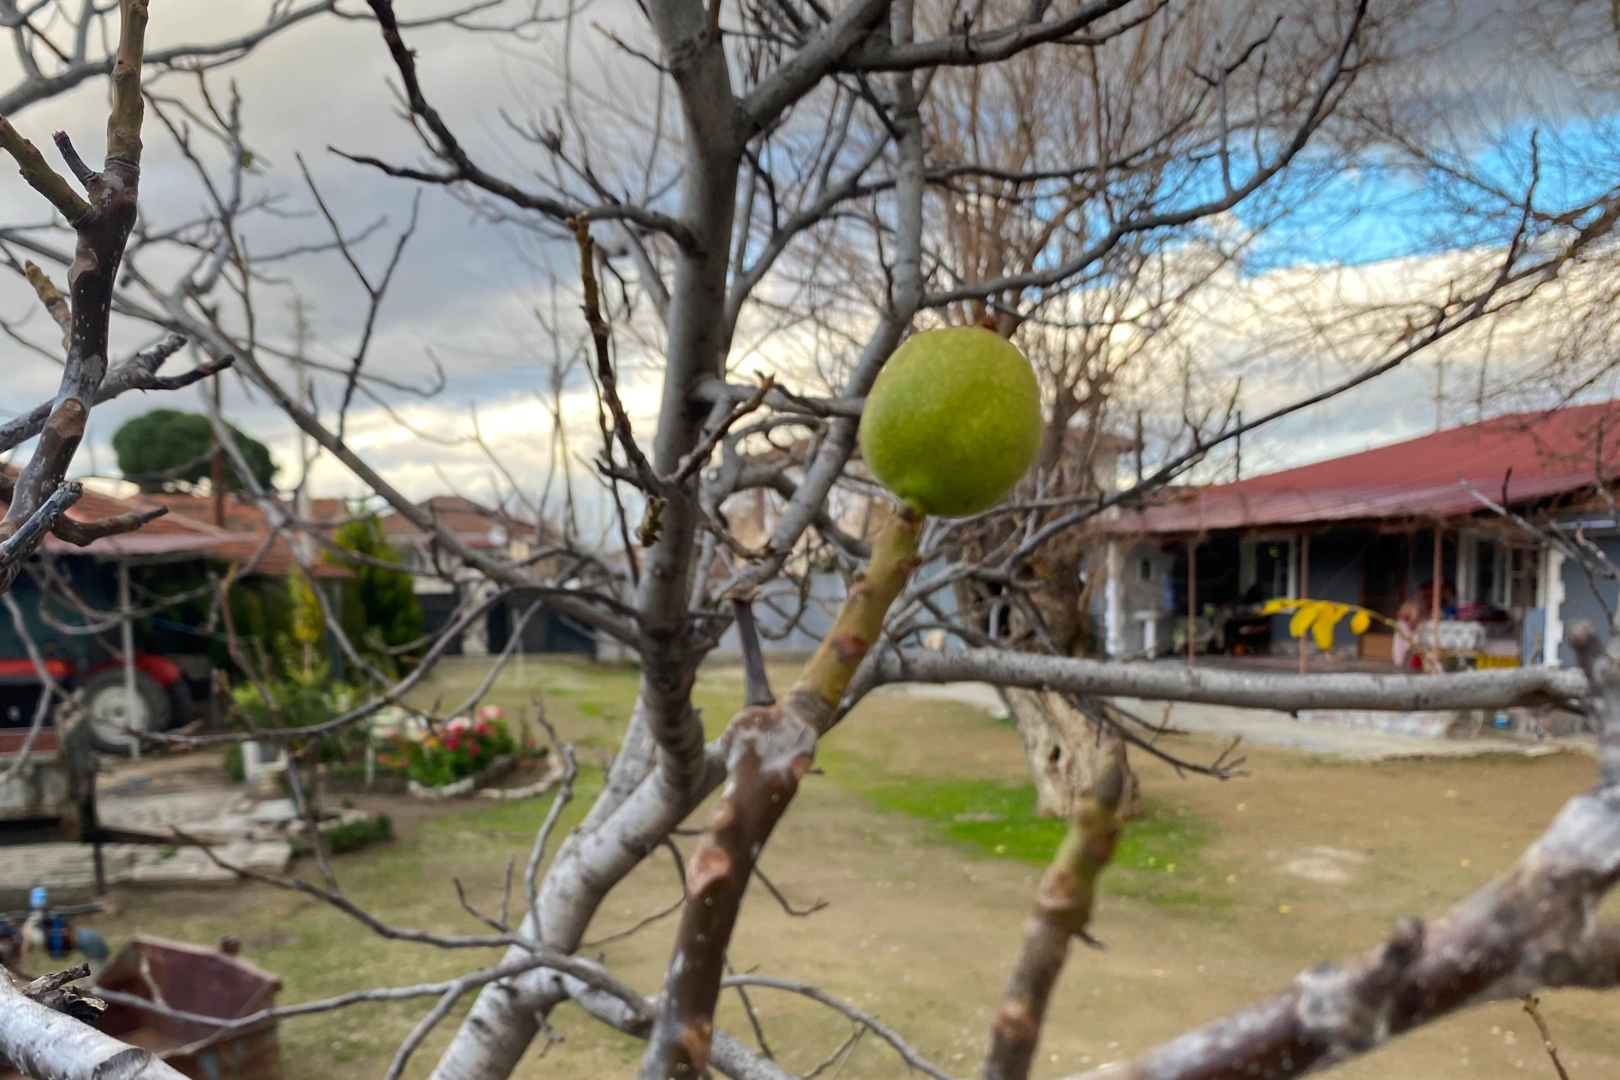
{"x":244,"y":830}
{"x":68,"y":870}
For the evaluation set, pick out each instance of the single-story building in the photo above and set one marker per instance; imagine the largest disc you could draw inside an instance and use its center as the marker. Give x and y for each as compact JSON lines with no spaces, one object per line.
{"x":1377,"y":529}
{"x":444,"y":585}
{"x":82,"y":607}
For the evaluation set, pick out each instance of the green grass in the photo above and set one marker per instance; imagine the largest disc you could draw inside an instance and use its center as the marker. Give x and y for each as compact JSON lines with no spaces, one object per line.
{"x":1158,"y":860}
{"x":986,"y":817}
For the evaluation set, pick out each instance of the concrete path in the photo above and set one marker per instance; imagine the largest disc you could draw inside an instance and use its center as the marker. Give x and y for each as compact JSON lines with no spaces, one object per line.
{"x":1276,"y":729}
{"x":68,"y":870}
{"x":244,"y":828}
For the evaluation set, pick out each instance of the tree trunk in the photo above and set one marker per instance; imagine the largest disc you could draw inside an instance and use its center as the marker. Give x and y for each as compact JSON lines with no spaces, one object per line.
{"x":1066,"y":752}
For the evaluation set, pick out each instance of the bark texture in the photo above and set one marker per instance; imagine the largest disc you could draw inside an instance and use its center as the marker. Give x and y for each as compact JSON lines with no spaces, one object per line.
{"x":1067,"y":752}
{"x":46,"y":1045}
{"x":1063,"y":906}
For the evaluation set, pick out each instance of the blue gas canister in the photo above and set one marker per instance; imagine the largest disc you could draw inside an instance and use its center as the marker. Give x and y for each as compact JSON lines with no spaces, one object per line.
{"x":58,"y":936}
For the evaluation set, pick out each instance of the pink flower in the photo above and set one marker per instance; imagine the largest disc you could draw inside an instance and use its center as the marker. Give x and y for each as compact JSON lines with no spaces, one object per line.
{"x":452,"y":744}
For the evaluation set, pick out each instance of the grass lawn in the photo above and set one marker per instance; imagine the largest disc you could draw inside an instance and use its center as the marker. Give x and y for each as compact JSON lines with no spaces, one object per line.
{"x":917,"y":830}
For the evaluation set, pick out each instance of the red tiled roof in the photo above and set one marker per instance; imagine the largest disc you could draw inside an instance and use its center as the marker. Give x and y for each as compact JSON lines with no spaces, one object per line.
{"x":188,"y":529}
{"x":476,"y":526}
{"x":166,"y":535}
{"x":1549,"y":454}
{"x":247,"y":524}
{"x":241,"y":515}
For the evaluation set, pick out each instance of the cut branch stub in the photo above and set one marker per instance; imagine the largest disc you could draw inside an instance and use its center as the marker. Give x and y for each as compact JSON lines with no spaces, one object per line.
{"x":768,"y":750}
{"x":1062,"y":911}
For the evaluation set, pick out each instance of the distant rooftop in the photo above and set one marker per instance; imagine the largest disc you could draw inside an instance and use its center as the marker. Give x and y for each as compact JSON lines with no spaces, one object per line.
{"x":1536,"y":455}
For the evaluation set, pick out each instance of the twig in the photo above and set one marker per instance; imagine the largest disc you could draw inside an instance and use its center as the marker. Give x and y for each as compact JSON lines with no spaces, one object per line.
{"x":642,"y":924}
{"x":787,"y":906}
{"x":700,"y":454}
{"x":753,"y":1017}
{"x":1532,"y":1005}
{"x":424,"y":1027}
{"x":48,"y":689}
{"x":860,"y":1016}
{"x":21,"y":544}
{"x":841,"y":1055}
{"x":644,"y":475}
{"x":565,"y":794}
{"x":638,"y":926}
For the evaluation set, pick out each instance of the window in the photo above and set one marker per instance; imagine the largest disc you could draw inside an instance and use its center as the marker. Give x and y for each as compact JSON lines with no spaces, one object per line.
{"x":1144,"y":570}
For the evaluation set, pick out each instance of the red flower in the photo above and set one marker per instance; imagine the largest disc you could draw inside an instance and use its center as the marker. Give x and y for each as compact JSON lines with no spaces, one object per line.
{"x":452,"y":744}
{"x":472,"y":748}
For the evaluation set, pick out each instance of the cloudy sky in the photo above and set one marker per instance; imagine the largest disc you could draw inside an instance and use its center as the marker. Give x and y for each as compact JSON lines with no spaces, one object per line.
{"x":466,"y":290}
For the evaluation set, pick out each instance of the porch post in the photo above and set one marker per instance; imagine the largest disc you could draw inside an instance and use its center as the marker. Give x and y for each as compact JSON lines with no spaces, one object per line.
{"x":1192,"y":597}
{"x":1434,"y":600}
{"x":1304,"y":586}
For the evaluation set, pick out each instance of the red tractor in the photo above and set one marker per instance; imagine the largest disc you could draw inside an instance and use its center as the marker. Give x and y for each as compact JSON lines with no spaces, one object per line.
{"x":165,"y":696}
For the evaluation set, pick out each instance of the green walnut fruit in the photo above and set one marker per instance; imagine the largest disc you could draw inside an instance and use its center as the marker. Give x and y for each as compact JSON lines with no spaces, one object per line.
{"x":953,"y":421}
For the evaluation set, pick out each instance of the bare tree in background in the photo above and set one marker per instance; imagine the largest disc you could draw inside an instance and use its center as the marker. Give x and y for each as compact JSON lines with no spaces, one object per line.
{"x":789,"y":178}
{"x":1013,"y":202}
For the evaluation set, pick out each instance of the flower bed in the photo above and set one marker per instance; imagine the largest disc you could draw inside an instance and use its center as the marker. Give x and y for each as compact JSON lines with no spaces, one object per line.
{"x":457,"y":758}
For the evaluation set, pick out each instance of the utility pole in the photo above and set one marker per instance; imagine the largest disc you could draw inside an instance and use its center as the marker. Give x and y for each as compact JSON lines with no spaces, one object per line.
{"x":135,"y":717}
{"x":216,"y":465}
{"x":1304,"y":587}
{"x":1237,"y":458}
{"x":306,"y":397}
{"x":1138,"y":447}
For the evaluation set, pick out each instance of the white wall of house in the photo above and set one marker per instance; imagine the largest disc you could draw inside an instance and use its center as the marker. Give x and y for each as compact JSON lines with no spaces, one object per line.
{"x":1135,"y":604}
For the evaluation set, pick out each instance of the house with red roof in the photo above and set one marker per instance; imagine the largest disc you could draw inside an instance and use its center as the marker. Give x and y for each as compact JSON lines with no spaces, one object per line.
{"x":82,"y":605}
{"x":1379,"y":529}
